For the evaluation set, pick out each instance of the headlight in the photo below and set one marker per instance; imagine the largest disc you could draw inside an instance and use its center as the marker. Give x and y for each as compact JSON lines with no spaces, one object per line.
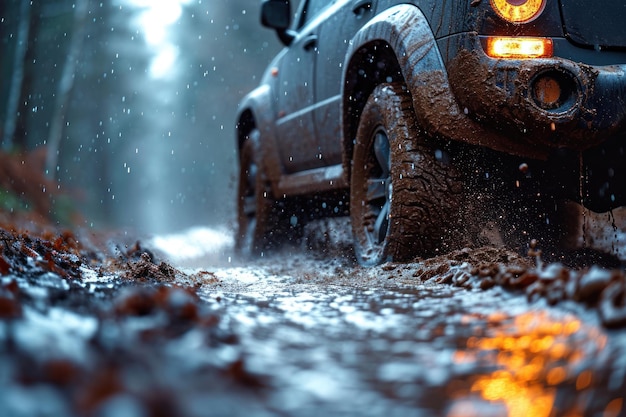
{"x":518,"y":11}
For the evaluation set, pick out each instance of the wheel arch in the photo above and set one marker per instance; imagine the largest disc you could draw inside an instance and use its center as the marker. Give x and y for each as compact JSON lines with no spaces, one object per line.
{"x":361,"y":77}
{"x":256,"y":112}
{"x":246,"y":123}
{"x":396,"y":46}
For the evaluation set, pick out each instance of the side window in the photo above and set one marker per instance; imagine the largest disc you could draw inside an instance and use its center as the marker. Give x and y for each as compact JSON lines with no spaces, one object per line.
{"x":310,"y":9}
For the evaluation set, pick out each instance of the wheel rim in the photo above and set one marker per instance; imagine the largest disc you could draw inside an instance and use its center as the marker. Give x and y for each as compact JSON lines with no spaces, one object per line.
{"x":378,"y":191}
{"x":247,"y":195}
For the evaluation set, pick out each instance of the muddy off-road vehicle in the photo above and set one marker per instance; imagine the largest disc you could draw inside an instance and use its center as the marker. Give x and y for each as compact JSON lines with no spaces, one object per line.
{"x":426,"y":120}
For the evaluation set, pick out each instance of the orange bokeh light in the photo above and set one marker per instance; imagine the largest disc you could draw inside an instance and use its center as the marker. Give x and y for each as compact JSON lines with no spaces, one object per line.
{"x":534,"y":355}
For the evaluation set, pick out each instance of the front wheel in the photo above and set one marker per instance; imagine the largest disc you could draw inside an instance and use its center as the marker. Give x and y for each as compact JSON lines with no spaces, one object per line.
{"x":254,"y":203}
{"x":265,"y":222}
{"x":404,"y":192}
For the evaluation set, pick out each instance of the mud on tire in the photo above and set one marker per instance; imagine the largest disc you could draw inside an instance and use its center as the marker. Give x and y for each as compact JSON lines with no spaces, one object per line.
{"x":405,"y":195}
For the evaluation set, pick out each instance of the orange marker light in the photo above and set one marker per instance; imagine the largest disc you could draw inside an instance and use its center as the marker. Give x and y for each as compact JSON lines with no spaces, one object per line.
{"x":519,"y":48}
{"x":518,"y":11}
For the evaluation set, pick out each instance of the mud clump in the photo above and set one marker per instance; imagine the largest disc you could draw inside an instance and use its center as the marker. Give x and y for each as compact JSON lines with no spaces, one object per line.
{"x":597,"y":288}
{"x":601,"y":288}
{"x":145,"y":269}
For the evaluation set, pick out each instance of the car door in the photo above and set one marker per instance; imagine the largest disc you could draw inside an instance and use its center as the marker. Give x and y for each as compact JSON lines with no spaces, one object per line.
{"x":295,"y":93}
{"x":346,"y":17}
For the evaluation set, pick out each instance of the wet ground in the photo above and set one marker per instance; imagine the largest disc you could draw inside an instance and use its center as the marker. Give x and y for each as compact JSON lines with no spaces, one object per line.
{"x":304,"y":332}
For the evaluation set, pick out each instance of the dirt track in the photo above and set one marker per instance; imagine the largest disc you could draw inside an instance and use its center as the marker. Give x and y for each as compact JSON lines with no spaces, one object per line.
{"x":103,"y":332}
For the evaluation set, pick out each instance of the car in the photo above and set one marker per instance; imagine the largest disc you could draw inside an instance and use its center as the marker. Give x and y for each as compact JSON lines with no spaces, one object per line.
{"x":427,"y":121}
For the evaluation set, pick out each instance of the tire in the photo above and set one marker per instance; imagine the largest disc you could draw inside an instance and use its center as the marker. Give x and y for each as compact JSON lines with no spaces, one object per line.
{"x":404,"y":192}
{"x":254,"y":203}
{"x":264,"y":223}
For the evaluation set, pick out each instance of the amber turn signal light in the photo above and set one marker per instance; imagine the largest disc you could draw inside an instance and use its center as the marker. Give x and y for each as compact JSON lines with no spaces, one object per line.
{"x":518,"y":11}
{"x":519,"y":48}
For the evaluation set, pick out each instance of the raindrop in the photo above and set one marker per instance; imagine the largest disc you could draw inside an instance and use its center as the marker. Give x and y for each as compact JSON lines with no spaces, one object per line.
{"x":523,"y":168}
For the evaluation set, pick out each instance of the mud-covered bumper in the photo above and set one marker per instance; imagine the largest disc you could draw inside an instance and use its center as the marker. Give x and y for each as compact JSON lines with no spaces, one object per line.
{"x":551,"y":102}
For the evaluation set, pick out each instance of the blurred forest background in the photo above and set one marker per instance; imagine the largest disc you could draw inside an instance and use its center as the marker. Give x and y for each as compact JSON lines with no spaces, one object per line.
{"x":126,"y":108}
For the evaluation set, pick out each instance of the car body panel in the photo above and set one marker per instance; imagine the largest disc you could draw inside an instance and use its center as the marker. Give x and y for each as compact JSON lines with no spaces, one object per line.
{"x":596,"y":24}
{"x":295,"y":96}
{"x":344,"y":20}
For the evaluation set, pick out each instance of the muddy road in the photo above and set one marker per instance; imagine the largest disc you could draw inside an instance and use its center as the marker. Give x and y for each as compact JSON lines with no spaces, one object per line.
{"x":178,"y":325}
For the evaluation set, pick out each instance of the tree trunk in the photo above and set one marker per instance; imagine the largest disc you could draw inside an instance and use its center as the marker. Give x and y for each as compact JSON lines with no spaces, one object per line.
{"x":14,"y":130}
{"x":65,"y":87}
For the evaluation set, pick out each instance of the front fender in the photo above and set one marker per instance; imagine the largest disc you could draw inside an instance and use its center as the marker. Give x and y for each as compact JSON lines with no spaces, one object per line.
{"x":398,"y":45}
{"x":257,"y":112}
